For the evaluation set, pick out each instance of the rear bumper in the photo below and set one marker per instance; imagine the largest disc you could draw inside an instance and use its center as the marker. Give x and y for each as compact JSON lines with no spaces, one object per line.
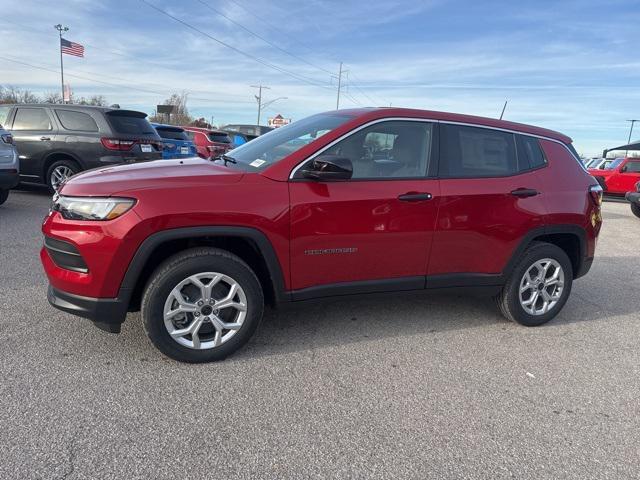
{"x":9,"y":178}
{"x":108,"y":314}
{"x":633,"y":197}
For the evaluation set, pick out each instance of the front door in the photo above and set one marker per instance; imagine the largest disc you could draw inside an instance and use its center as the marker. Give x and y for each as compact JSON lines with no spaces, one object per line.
{"x":34,"y":133}
{"x":375,"y":228}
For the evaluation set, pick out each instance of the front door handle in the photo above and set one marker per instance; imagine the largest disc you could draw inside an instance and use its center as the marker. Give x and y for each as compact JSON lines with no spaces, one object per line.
{"x":415,"y":197}
{"x":45,"y":139}
{"x":524,"y":192}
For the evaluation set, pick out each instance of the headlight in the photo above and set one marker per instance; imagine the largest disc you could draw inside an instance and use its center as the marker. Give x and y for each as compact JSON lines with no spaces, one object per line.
{"x":91,"y":208}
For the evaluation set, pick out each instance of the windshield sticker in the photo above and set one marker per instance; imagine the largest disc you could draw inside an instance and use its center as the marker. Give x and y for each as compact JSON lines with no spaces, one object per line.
{"x":257,"y":162}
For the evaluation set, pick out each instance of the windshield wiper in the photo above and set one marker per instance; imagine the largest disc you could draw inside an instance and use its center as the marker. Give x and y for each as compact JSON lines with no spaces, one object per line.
{"x":226,"y":159}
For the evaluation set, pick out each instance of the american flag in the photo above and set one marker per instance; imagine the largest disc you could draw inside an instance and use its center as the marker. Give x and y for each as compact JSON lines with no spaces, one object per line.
{"x":71,"y":48}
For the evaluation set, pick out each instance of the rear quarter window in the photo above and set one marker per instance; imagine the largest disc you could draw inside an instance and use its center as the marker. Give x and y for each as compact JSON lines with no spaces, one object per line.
{"x":530,"y":153}
{"x":76,"y":121}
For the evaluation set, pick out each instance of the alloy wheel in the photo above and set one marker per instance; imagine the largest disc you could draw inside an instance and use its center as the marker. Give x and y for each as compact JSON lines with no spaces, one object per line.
{"x":541,"y":286}
{"x":60,"y":174}
{"x":205,"y":310}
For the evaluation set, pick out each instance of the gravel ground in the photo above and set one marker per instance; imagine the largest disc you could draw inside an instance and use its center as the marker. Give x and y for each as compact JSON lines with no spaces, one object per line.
{"x":398,"y":386}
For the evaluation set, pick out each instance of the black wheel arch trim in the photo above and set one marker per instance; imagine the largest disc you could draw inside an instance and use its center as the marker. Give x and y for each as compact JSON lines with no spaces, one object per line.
{"x":147,"y":247}
{"x":71,"y":156}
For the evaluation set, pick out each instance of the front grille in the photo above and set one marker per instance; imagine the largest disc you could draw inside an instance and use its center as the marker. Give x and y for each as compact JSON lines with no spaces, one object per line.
{"x":65,"y":255}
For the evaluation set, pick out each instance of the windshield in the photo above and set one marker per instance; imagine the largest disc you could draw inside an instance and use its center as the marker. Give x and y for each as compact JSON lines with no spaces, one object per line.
{"x":614,"y":164}
{"x":277,"y":144}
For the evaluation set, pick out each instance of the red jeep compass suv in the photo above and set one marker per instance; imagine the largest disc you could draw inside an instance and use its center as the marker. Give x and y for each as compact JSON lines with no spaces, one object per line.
{"x":344,"y":202}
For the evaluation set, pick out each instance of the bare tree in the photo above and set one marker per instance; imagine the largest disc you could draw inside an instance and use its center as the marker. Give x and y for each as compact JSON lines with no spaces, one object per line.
{"x":180,"y":115}
{"x":200,"y":123}
{"x":11,"y":94}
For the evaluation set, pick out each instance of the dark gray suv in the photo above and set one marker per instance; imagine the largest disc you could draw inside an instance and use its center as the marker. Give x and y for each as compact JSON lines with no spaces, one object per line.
{"x":57,"y":141}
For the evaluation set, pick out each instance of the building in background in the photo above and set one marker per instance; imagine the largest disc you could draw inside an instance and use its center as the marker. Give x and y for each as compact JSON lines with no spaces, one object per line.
{"x":278,"y":121}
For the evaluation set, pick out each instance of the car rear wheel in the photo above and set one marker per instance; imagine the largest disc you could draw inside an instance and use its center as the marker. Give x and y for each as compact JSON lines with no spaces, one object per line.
{"x":4,"y":194}
{"x":59,"y":172}
{"x":538,"y":287}
{"x":634,"y":208}
{"x":201,"y":305}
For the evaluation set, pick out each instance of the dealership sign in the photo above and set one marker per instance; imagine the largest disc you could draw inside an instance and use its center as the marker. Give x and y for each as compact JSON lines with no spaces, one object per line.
{"x":278,"y":121}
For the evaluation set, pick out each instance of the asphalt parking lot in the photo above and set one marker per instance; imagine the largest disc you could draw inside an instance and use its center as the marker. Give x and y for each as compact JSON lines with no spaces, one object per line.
{"x":381,"y":387}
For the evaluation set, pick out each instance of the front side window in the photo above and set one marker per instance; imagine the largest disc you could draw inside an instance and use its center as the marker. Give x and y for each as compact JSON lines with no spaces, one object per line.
{"x":31,"y":119}
{"x":632,"y":167}
{"x":470,"y":152}
{"x":76,"y":121}
{"x":275,"y":145}
{"x":392,"y":149}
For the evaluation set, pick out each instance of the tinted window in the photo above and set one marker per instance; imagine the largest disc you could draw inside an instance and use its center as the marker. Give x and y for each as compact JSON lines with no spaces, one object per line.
{"x":190,"y":134}
{"x":632,"y":167}
{"x":4,"y":113}
{"x":130,"y":125}
{"x":76,"y":121}
{"x":394,"y":149}
{"x":529,"y":152}
{"x":31,"y":119}
{"x":476,"y":152}
{"x":219,"y":137}
{"x":614,"y":164}
{"x":172,"y":133}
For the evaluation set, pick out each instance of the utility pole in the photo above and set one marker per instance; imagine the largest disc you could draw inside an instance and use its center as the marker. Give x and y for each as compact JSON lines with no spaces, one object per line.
{"x":630,"y":132}
{"x":61,"y":28}
{"x":339,"y":87}
{"x":259,"y":98}
{"x":504,"y":108}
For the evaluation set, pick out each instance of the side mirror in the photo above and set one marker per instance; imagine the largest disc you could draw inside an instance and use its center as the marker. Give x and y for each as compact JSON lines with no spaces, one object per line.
{"x":329,"y":168}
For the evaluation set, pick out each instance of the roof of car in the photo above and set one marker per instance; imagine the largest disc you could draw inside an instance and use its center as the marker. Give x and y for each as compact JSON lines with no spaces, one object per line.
{"x":386,"y":112}
{"x":167,"y":127}
{"x":204,"y":130}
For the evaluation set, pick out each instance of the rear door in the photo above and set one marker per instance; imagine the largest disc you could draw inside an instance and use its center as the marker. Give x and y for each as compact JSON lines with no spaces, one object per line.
{"x":35,"y":132}
{"x":490,"y":198}
{"x":375,"y":228}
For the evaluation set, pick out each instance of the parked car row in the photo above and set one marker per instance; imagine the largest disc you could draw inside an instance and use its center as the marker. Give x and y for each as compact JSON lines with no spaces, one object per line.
{"x":620,"y":177}
{"x":54,"y":142}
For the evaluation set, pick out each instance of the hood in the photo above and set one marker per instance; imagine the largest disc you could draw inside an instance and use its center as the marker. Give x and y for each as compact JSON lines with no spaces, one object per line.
{"x":189,"y":172}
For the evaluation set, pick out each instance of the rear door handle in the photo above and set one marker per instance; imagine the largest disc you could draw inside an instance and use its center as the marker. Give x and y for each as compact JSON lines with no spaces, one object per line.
{"x":415,"y":197}
{"x":45,"y":139}
{"x":524,"y":192}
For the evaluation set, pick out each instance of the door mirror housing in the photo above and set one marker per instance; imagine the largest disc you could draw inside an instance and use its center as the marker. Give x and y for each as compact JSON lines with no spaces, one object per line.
{"x":327,"y":168}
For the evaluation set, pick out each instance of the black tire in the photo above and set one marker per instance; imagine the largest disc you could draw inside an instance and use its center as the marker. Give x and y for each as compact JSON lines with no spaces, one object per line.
{"x":4,"y":194}
{"x":70,"y":164}
{"x":179,"y":267}
{"x":509,"y":299}
{"x":634,"y":208}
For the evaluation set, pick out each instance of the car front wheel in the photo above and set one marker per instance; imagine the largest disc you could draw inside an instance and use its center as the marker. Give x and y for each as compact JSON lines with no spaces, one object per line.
{"x":201,"y":305}
{"x":538,"y":287}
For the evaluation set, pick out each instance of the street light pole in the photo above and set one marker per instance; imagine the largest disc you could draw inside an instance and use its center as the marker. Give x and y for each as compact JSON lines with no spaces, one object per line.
{"x":259,"y":98}
{"x":633,"y":121}
{"x":61,"y":28}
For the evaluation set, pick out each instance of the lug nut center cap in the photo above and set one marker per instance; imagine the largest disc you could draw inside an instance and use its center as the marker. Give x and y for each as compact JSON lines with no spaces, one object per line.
{"x":207,"y":310}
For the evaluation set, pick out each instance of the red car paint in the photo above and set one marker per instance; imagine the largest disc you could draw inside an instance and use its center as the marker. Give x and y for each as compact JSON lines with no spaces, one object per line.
{"x":471,"y":226}
{"x":622,"y":178}
{"x":205,"y":146}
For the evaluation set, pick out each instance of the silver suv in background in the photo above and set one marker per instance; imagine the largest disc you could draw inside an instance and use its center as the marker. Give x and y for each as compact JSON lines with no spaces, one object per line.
{"x":56,"y":141}
{"x":9,"y":165}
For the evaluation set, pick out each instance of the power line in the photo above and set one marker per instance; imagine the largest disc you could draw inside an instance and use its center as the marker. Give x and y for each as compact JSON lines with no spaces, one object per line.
{"x":264,"y":39}
{"x":119,"y":85}
{"x":237,"y":50}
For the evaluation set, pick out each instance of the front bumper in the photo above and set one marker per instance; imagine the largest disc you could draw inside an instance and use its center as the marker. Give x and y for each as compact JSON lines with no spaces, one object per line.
{"x":9,"y":178}
{"x":107,"y":314}
{"x":633,"y":197}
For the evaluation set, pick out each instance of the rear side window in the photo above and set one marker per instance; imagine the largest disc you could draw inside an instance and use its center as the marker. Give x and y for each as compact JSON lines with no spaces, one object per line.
{"x":468,"y":152}
{"x":31,"y":119}
{"x":130,"y":125}
{"x":219,"y":137}
{"x":76,"y":121}
{"x":529,"y":152}
{"x":172,"y":134}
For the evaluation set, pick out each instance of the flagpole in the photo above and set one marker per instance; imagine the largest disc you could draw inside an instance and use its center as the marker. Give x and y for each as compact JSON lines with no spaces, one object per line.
{"x":61,"y":28}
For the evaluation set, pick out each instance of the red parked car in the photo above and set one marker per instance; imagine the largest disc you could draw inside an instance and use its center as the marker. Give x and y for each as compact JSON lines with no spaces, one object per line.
{"x":620,"y":177}
{"x":209,"y":143}
{"x":345,"y":202}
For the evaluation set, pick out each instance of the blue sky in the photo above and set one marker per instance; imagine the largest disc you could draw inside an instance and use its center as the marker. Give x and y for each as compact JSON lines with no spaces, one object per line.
{"x":568,"y":65}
